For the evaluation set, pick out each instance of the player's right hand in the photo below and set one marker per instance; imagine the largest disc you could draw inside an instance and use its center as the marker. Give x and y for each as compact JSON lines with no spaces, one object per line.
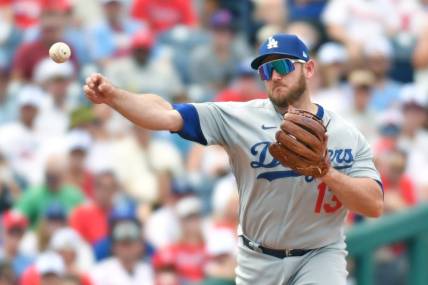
{"x":98,"y":89}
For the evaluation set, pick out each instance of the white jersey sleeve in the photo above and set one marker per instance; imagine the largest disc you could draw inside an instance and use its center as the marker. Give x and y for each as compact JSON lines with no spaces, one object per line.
{"x":363,"y":162}
{"x":348,"y":145}
{"x":212,"y":120}
{"x":206,"y":123}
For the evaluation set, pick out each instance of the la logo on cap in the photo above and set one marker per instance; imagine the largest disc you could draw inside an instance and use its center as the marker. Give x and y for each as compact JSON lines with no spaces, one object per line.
{"x":272,"y":43}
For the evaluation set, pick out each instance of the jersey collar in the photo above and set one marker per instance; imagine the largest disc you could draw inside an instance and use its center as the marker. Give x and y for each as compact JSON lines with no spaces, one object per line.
{"x":319,"y":114}
{"x":320,"y":111}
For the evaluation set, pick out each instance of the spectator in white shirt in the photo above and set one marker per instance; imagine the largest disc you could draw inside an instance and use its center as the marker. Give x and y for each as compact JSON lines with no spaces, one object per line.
{"x":358,"y":111}
{"x":76,"y":253}
{"x":354,"y":22}
{"x":414,"y":137}
{"x":51,"y":268}
{"x":162,"y":227}
{"x":151,"y":165}
{"x":55,"y":79}
{"x":221,"y":250}
{"x":420,"y":57}
{"x":19,"y":141}
{"x":225,"y":200}
{"x":333,"y":94}
{"x":379,"y":55}
{"x":125,"y":267}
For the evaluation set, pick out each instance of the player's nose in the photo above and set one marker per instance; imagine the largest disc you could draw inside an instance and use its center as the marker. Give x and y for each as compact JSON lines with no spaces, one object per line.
{"x":276,"y":76}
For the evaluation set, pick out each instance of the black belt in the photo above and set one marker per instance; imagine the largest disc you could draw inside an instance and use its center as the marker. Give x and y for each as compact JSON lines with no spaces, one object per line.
{"x":280,"y":253}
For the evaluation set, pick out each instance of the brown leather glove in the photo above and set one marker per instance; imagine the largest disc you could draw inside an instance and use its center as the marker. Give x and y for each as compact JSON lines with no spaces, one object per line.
{"x":302,"y":144}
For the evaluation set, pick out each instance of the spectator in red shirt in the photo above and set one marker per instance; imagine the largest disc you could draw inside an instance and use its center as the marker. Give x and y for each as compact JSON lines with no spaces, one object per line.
{"x":398,"y":187}
{"x":91,"y":220}
{"x":30,"y":54}
{"x":389,"y":129}
{"x":26,"y":13}
{"x":14,"y":225}
{"x":244,"y":88}
{"x":162,"y":15}
{"x":188,"y":254}
{"x":399,"y":195}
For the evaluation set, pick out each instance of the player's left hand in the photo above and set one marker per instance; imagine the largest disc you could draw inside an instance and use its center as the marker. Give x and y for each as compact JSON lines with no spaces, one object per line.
{"x":301,"y":144}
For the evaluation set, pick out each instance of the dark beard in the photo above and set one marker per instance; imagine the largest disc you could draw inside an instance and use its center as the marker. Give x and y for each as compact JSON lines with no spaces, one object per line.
{"x":292,"y":96}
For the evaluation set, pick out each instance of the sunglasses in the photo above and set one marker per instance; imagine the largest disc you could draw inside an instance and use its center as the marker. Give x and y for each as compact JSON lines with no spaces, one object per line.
{"x":282,"y":66}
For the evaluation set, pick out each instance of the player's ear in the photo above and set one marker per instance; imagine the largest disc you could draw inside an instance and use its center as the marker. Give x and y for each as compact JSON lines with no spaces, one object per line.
{"x":309,"y":68}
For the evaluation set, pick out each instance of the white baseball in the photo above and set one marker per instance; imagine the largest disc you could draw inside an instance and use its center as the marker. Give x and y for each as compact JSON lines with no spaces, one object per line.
{"x":59,"y":52}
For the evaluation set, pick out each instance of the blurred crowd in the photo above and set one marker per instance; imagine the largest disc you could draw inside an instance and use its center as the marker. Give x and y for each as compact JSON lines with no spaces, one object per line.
{"x":87,"y":198}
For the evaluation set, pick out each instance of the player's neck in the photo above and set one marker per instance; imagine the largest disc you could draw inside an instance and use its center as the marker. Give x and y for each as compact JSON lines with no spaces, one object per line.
{"x":306,"y":105}
{"x":303,"y":104}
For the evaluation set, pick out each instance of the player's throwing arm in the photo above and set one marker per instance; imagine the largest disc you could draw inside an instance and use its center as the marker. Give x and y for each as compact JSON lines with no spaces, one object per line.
{"x":148,"y":111}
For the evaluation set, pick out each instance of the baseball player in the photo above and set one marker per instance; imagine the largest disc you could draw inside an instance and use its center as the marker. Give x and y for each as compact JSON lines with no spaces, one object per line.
{"x":291,"y":219}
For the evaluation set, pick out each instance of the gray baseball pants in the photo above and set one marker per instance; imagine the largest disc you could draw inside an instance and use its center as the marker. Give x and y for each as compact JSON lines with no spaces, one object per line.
{"x":323,"y":266}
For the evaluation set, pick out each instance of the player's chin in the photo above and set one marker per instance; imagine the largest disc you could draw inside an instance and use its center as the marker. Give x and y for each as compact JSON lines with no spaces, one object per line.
{"x":279,"y":98}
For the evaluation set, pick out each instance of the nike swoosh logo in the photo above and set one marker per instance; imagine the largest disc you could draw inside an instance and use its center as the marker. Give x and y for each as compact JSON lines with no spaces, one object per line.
{"x":267,"y":128}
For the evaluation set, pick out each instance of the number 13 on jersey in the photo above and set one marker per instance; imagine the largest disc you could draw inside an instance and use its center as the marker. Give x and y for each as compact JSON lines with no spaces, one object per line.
{"x":326,"y":205}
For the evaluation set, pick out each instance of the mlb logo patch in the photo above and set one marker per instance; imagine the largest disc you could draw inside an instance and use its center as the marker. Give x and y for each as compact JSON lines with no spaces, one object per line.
{"x":272,"y":43}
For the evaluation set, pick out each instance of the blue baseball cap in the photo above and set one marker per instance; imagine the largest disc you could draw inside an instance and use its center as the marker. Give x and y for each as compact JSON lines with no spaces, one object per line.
{"x":282,"y":44}
{"x":124,"y":210}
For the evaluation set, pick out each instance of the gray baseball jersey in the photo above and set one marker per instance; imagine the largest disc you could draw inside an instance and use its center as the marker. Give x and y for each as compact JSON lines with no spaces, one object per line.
{"x":278,"y":207}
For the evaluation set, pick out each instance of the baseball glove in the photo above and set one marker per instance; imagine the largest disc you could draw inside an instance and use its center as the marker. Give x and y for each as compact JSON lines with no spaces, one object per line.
{"x":301,"y":144}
